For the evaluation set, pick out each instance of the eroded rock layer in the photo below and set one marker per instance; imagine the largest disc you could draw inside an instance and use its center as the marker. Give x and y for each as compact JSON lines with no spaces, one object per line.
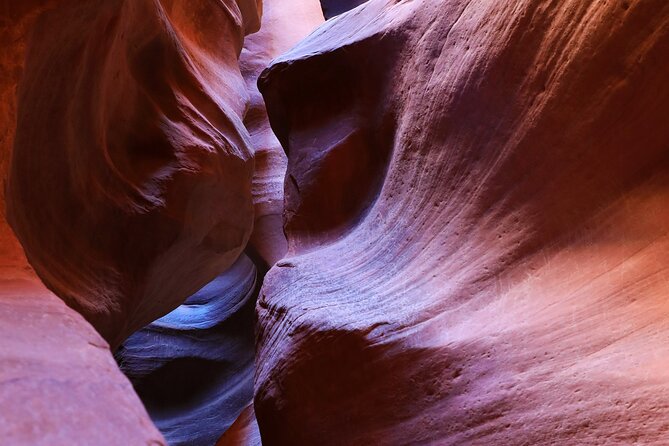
{"x":477,"y":216}
{"x":130,"y":183}
{"x":59,"y":384}
{"x":193,"y":368}
{"x":284,"y":23}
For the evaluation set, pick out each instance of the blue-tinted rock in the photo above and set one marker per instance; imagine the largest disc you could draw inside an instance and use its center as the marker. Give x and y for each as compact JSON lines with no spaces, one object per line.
{"x":193,"y":368}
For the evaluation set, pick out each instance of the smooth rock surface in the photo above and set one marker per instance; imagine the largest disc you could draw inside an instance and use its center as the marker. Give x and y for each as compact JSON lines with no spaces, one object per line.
{"x":284,"y":23}
{"x":193,"y":368}
{"x":59,"y":385}
{"x":477,"y":226}
{"x":332,"y":8}
{"x":131,"y":155}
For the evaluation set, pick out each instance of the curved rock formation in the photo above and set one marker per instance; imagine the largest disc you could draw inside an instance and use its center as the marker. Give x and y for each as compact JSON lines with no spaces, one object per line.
{"x":130,"y":184}
{"x":214,"y":362}
{"x":59,"y":384}
{"x":284,"y":23}
{"x":243,"y":432}
{"x":477,"y":221}
{"x":193,"y":368}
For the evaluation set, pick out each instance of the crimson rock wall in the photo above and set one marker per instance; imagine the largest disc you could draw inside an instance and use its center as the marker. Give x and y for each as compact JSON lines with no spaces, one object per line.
{"x":133,"y":156}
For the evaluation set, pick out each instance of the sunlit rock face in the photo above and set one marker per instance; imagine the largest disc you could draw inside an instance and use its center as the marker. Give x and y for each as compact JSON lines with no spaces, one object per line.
{"x":284,"y":23}
{"x":130,"y":183}
{"x":333,"y":8}
{"x":59,"y":384}
{"x":193,"y":368}
{"x":477,"y":227}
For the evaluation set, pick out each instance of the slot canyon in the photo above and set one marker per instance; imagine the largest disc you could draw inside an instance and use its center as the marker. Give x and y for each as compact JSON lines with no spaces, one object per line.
{"x":334,"y":222}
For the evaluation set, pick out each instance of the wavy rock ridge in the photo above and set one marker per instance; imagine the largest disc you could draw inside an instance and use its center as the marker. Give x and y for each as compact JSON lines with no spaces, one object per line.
{"x":477,"y":227}
{"x":138,"y":142}
{"x":58,"y":379}
{"x":473,"y":194}
{"x":193,"y":368}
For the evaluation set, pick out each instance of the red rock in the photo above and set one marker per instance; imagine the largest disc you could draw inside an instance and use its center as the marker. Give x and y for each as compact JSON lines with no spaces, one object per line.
{"x":16,"y":21}
{"x":130,"y":185}
{"x":59,"y":384}
{"x":477,"y":222}
{"x":284,"y":23}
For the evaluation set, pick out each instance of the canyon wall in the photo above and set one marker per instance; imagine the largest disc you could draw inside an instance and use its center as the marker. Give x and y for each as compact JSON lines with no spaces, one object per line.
{"x":130,"y":184}
{"x":477,"y":217}
{"x":58,"y":379}
{"x":284,"y":23}
{"x":193,"y":368}
{"x":463,"y":207}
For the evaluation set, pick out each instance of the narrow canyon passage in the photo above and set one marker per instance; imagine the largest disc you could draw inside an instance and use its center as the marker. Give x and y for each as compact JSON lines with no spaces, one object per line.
{"x":336,"y":222}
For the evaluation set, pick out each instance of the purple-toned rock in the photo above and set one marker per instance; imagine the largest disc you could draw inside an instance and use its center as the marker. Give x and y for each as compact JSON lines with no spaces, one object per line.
{"x":477,"y":210}
{"x":193,"y":368}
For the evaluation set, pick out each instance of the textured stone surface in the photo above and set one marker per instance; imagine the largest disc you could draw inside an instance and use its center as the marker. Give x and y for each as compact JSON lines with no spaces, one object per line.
{"x":477,"y":222}
{"x":284,"y":23}
{"x":130,"y":183}
{"x":211,"y":366}
{"x":193,"y":368}
{"x":58,"y":380}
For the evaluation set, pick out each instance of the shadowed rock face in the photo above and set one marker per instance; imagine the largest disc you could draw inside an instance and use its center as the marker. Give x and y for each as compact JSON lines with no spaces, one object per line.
{"x":477,"y":227}
{"x":284,"y":23}
{"x":333,"y":8}
{"x":193,"y":368}
{"x":130,"y":183}
{"x":244,"y":431}
{"x":59,"y":384}
{"x":16,"y":22}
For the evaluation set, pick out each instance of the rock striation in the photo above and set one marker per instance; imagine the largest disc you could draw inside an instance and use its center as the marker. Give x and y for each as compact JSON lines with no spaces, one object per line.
{"x":58,"y":379}
{"x":284,"y":24}
{"x":476,"y":213}
{"x":133,"y":156}
{"x":193,"y":368}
